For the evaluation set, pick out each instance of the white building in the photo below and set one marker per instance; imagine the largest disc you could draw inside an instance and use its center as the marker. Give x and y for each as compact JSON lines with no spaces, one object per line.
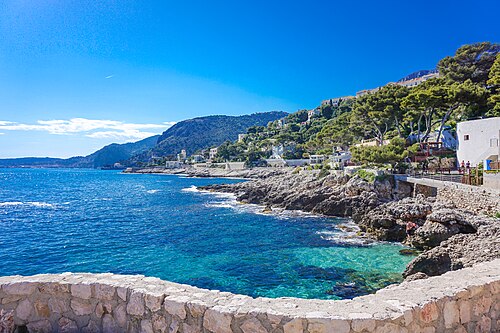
{"x":241,"y":137}
{"x":173,"y":165}
{"x":448,"y":138}
{"x":478,"y":140}
{"x":197,"y":158}
{"x":281,"y":123}
{"x":213,"y":153}
{"x":182,"y":156}
{"x":340,"y":159}
{"x":317,"y":159}
{"x":313,"y":113}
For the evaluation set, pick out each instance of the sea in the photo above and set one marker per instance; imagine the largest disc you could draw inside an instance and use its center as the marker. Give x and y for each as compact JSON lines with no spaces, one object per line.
{"x":75,"y":220}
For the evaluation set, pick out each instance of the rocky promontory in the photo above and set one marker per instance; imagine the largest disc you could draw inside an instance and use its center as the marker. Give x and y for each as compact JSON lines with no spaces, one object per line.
{"x":188,"y":171}
{"x":450,"y":237}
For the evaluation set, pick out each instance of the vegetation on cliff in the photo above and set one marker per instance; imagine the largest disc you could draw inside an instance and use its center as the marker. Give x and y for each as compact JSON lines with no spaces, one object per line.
{"x":467,"y":87}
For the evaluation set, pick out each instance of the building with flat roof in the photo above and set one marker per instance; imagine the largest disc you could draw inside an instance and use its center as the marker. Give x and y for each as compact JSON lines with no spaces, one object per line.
{"x":478,"y":140}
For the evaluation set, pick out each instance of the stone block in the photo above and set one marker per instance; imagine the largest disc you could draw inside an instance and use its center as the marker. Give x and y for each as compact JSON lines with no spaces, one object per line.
{"x":120,"y":315}
{"x":159,"y":323}
{"x":81,"y":307}
{"x":67,"y":325}
{"x":196,"y":308}
{"x":92,"y":327}
{"x":135,"y":306}
{"x":253,"y":325}
{"x":154,"y":301}
{"x":122,"y":293}
{"x":83,"y":291}
{"x":482,"y":306}
{"x":358,"y":325}
{"x":483,"y":325}
{"x":104,"y":292}
{"x":390,"y":328}
{"x":20,"y":288}
{"x":41,"y":309}
{"x":175,"y":305}
{"x":465,"y":312}
{"x":429,"y":312}
{"x":40,"y":326}
{"x":58,"y":305}
{"x":109,"y":324}
{"x":451,"y":314}
{"x":216,"y":320}
{"x":294,"y":326}
{"x":24,"y":309}
{"x":146,"y":326}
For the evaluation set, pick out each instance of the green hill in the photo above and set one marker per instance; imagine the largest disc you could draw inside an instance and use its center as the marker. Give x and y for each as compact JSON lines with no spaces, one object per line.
{"x":106,"y":156}
{"x":205,"y":132}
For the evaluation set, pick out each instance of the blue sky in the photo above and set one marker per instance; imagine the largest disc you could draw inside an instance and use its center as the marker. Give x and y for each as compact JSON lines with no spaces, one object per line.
{"x":76,"y":75}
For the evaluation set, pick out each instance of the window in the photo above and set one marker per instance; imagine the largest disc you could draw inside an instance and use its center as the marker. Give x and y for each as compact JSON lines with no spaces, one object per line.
{"x":466,"y":137}
{"x":494,"y":142}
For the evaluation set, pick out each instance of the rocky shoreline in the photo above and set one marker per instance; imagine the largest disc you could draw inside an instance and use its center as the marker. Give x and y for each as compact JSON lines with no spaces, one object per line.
{"x":451,"y":238}
{"x":259,"y":173}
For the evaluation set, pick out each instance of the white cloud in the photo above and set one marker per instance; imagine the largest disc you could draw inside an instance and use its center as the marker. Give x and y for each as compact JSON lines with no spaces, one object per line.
{"x":92,"y":128}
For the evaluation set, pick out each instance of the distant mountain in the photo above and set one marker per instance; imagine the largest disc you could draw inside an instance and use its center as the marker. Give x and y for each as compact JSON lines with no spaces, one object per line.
{"x":205,"y":132}
{"x":106,"y":156}
{"x":418,"y":74}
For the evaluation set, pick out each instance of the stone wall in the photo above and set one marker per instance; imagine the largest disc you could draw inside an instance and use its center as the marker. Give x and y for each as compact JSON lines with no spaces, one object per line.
{"x":460,"y":301}
{"x":491,"y":180}
{"x":473,"y":198}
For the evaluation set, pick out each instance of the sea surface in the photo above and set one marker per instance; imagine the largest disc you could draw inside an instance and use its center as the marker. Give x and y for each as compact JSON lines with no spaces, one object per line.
{"x":62,"y":220}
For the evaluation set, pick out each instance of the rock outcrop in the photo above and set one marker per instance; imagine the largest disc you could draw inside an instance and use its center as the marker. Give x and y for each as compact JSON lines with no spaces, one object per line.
{"x":451,"y":237}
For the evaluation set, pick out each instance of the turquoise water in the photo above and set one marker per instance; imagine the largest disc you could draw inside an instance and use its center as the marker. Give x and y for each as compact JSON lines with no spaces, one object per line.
{"x":54,"y":221}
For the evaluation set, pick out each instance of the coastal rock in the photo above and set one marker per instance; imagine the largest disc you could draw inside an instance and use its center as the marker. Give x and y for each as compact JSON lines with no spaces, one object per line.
{"x":450,"y":236}
{"x":460,"y":250}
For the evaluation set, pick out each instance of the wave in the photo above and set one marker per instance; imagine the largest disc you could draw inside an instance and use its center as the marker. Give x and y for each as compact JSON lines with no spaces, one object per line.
{"x":192,"y":188}
{"x":28,"y":203}
{"x":346,"y":234}
{"x":11,"y":203}
{"x":152,"y":191}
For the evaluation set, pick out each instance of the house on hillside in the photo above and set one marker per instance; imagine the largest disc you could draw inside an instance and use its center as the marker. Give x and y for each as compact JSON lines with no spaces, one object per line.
{"x":181,"y":157}
{"x":173,"y":165}
{"x":241,"y":137}
{"x":335,"y":101}
{"x":418,"y":80}
{"x":317,"y":159}
{"x":367,"y":91}
{"x":478,"y":140}
{"x":197,"y":158}
{"x":340,"y":159}
{"x":213,"y":153}
{"x":313,"y":113}
{"x":372,"y":143}
{"x":448,"y":138}
{"x":281,"y":123}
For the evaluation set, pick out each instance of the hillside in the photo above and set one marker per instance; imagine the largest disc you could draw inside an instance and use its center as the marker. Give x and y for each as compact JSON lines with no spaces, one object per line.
{"x":107,"y":155}
{"x":205,"y":132}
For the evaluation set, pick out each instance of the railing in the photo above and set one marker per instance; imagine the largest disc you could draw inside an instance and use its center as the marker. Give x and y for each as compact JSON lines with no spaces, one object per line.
{"x":470,"y":176}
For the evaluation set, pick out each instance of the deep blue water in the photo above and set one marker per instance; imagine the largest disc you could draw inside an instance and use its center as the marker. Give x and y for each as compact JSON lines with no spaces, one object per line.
{"x":54,"y":221}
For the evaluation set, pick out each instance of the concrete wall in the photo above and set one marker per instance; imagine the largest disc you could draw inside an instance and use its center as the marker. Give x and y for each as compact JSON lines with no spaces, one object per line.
{"x":461,"y":301}
{"x":483,"y":140}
